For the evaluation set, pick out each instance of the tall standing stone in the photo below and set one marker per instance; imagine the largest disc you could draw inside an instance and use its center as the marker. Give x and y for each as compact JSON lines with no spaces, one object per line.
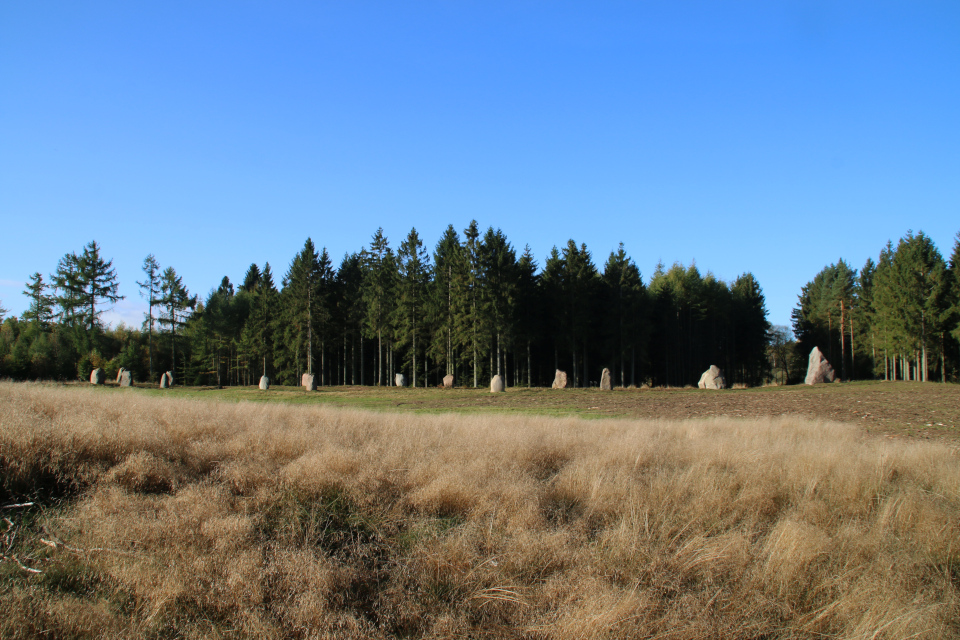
{"x":166,"y":380}
{"x":448,"y":381}
{"x":96,"y":376}
{"x":819,"y":369}
{"x":496,"y":385}
{"x":400,"y":380}
{"x":126,"y":378}
{"x":308,"y":381}
{"x":560,"y":380}
{"x":606,"y":380}
{"x":712,"y":378}
{"x":264,"y":383}
{"x":120,"y":374}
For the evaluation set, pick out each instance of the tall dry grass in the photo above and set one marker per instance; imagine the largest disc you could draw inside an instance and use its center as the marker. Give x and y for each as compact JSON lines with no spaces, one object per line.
{"x":178,"y":518}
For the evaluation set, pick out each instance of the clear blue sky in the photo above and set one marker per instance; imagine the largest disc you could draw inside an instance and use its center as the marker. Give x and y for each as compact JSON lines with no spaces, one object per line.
{"x":771,"y":137}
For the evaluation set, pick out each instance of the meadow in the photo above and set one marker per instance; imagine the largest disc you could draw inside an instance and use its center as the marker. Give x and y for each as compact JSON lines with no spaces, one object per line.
{"x":128,"y":513}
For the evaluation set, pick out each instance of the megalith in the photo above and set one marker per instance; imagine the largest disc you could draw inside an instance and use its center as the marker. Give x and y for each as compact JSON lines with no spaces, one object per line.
{"x":560,"y":380}
{"x":606,"y":380}
{"x":120,"y":374}
{"x":819,"y":369}
{"x":125,"y":377}
{"x":496,"y":385}
{"x":400,"y":380}
{"x":308,"y":381}
{"x":712,"y":378}
{"x":166,"y":380}
{"x":264,"y":383}
{"x":96,"y":376}
{"x":448,"y":381}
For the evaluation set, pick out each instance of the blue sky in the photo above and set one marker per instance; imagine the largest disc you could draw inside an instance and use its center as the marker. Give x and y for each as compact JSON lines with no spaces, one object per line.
{"x":771,"y":137}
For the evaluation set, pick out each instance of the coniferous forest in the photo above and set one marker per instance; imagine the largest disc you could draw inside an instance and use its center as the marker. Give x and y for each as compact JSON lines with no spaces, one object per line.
{"x":475,"y":306}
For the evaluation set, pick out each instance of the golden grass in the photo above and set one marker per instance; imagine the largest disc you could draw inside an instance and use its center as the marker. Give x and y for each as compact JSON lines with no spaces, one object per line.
{"x":182,"y":518}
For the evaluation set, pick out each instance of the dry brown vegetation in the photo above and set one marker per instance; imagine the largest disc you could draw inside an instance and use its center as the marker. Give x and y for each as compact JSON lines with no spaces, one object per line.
{"x":169,"y":518}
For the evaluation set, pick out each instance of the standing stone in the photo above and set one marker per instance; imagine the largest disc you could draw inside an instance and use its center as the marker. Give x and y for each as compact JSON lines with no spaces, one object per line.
{"x":818,"y":369}
{"x":96,"y":376}
{"x":606,"y":381}
{"x":120,"y":374}
{"x":126,"y":378}
{"x":496,"y":385}
{"x":712,"y":378}
{"x":448,"y":381}
{"x":560,"y":380}
{"x":400,"y":380}
{"x":308,"y":381}
{"x":165,"y":379}
{"x":264,"y":383}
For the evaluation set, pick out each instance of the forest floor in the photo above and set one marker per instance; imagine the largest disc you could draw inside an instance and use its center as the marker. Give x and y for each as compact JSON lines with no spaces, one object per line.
{"x":894,"y":409}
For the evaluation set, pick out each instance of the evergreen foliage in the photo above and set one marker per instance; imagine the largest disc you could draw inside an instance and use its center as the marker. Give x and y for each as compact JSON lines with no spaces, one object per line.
{"x":897,"y":319}
{"x":474,"y":308}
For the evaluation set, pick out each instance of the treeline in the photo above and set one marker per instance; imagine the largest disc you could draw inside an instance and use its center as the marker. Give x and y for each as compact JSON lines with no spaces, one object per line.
{"x":473,"y":307}
{"x":897,"y":318}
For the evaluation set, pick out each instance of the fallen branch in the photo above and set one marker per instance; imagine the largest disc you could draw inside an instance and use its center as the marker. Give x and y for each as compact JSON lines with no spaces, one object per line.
{"x":56,"y":545}
{"x":19,"y":506}
{"x":20,"y":564}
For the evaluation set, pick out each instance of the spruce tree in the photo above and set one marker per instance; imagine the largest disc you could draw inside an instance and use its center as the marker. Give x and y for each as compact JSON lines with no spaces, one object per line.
{"x":448,"y":269}
{"x":414,"y":270}
{"x":85,"y":282}
{"x":303,"y":296}
{"x":379,"y":282}
{"x":528,"y":309}
{"x":150,"y":289}
{"x":40,"y":311}
{"x":624,"y":293}
{"x":175,"y":300}
{"x":498,"y":276}
{"x":259,"y":329}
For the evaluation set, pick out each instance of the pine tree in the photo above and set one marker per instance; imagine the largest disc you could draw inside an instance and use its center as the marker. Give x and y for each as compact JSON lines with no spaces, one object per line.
{"x":624,"y":292}
{"x":498,"y":277}
{"x":378,"y":294}
{"x":414,"y":270}
{"x":923,"y":292}
{"x":150,"y":289}
{"x":40,"y":311}
{"x":528,"y":310}
{"x":251,"y":279}
{"x":750,"y":328}
{"x":259,"y":329}
{"x":448,"y":269}
{"x":303,"y":294}
{"x":175,"y":300}
{"x":469,"y":316}
{"x":952,"y":320}
{"x":350,"y":305}
{"x":85,"y":282}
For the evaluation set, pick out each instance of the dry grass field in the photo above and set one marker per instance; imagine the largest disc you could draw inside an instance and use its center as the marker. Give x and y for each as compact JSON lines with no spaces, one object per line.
{"x":901,"y":409}
{"x":173,"y":517}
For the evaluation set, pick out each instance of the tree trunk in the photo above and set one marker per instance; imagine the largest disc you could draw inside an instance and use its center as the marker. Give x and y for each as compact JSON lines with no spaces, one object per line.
{"x":843,"y":351}
{"x":853,"y":352}
{"x":529,"y":367}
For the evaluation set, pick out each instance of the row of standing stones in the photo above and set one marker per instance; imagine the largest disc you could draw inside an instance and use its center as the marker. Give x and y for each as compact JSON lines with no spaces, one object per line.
{"x":125,"y":378}
{"x":818,"y":371}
